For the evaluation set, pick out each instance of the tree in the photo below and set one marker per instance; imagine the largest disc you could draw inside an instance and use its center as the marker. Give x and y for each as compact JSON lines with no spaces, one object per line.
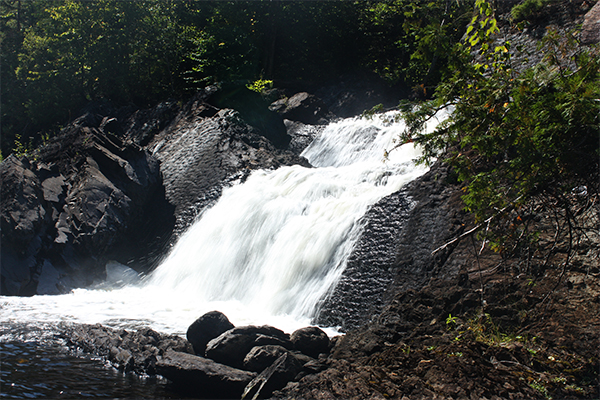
{"x":517,"y":139}
{"x":410,"y":42}
{"x":59,"y":55}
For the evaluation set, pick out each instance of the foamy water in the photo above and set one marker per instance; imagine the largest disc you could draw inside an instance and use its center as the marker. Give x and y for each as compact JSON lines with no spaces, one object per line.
{"x":267,"y":252}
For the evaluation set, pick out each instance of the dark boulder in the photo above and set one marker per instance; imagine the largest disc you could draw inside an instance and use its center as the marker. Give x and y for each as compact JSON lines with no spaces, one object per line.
{"x":311,"y":341}
{"x":302,"y":107}
{"x":24,"y":218}
{"x":352,"y":94}
{"x":231,"y":347}
{"x":207,"y":327}
{"x":302,"y":135}
{"x":202,"y":378}
{"x":261,"y":357}
{"x":253,"y":108}
{"x":275,"y":377}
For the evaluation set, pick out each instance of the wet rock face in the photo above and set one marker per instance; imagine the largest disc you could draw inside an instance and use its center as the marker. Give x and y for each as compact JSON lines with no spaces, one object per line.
{"x":118,"y":184}
{"x":199,"y":156}
{"x":302,"y":135}
{"x":84,"y":199}
{"x":394,"y":252}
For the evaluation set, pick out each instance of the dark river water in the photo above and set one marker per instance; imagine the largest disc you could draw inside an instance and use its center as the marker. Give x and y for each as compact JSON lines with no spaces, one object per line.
{"x":34,"y":370}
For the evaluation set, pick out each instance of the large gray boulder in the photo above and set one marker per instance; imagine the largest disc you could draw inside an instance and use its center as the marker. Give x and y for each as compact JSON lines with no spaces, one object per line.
{"x":202,"y":378}
{"x":231,"y":347}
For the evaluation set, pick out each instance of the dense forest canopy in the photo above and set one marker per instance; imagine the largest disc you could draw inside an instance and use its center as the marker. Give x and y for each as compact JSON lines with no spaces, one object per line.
{"x":59,"y":55}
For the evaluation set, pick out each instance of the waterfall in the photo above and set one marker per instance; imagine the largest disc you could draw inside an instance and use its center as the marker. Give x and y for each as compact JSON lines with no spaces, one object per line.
{"x":267,"y":252}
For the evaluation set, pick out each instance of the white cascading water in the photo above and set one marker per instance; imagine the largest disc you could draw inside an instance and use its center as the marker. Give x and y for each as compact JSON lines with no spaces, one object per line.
{"x":266,"y":253}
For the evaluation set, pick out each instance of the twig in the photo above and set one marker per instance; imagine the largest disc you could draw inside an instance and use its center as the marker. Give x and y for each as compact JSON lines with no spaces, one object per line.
{"x":516,"y":363}
{"x":475,"y":228}
{"x":482,"y":297}
{"x":569,"y":222}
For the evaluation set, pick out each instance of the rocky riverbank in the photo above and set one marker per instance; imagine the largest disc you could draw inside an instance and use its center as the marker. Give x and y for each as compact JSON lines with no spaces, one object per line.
{"x":458,"y":320}
{"x":218,"y":360}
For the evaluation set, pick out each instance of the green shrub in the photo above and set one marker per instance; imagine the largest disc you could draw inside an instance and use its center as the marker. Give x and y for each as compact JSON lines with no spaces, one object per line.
{"x":516,"y":136}
{"x":527,"y":8}
{"x":260,"y":85}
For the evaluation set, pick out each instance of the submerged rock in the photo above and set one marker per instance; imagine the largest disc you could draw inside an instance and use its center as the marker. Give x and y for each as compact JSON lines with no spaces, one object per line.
{"x":136,"y":351}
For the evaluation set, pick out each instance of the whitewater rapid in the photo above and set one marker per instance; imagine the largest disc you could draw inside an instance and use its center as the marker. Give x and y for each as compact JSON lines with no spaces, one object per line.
{"x":267,"y":252}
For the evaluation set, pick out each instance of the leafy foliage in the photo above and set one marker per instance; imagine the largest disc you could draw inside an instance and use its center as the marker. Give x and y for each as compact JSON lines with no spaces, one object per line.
{"x":59,"y":55}
{"x":515,"y":136}
{"x":526,"y":8}
{"x":259,"y":85}
{"x":421,"y":34}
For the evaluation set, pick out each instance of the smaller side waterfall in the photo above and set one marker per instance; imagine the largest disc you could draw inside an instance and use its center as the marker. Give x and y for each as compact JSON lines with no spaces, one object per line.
{"x":266,"y":253}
